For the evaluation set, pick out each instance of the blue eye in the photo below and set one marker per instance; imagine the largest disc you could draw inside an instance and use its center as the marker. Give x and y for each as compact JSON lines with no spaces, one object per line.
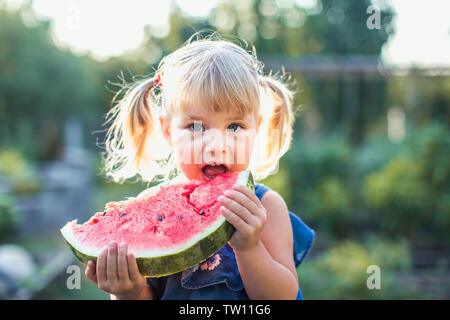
{"x":197,"y":127}
{"x":234,"y":127}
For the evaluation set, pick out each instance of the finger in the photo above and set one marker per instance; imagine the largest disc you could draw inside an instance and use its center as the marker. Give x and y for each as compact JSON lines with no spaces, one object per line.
{"x":133,"y":269}
{"x":243,"y":200}
{"x":249,"y":193}
{"x":90,"y":271}
{"x":122,"y":265}
{"x":101,"y":265}
{"x":261,"y":213}
{"x":235,"y":220}
{"x":111,"y":264}
{"x":237,"y":209}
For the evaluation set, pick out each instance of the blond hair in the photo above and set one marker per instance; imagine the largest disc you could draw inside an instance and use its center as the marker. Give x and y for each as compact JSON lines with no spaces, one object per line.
{"x":212,"y":72}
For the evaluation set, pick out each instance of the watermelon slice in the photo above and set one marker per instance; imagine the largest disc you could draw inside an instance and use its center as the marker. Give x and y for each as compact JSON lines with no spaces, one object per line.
{"x":174,"y":228}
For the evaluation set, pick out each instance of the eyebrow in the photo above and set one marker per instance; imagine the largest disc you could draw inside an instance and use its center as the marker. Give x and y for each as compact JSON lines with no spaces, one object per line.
{"x":233,"y":118}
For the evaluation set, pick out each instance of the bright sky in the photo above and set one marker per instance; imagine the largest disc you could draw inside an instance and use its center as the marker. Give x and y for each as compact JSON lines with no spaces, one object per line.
{"x":422,"y":33}
{"x":112,"y":27}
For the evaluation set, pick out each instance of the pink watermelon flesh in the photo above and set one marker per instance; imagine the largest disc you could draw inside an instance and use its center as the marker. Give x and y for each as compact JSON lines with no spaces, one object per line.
{"x":169,"y":231}
{"x":167,"y":219}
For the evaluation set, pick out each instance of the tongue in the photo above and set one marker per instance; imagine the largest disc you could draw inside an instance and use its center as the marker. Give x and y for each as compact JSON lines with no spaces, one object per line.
{"x":214,"y":170}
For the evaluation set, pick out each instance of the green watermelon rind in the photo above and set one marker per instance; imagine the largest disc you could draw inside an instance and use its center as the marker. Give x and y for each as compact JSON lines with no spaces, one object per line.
{"x":214,"y":238}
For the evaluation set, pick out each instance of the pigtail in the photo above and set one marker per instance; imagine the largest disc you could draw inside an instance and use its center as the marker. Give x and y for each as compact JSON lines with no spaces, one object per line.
{"x":278,"y":123}
{"x":132,"y":124}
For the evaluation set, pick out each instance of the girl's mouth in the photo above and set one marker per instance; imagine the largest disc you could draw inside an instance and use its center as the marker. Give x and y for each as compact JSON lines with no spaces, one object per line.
{"x":210,"y":171}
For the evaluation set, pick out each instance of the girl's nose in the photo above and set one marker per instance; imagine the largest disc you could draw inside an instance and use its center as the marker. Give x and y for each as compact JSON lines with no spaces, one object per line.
{"x":214,"y":143}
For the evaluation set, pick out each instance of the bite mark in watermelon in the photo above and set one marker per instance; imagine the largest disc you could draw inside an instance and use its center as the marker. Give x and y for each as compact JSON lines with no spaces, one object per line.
{"x":176,"y":227}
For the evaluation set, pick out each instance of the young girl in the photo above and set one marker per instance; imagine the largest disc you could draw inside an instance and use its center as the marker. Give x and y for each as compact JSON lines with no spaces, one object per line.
{"x":209,"y":110}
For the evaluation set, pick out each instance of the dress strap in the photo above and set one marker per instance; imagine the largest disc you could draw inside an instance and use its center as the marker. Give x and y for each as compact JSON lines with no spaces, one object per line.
{"x":260,"y":190}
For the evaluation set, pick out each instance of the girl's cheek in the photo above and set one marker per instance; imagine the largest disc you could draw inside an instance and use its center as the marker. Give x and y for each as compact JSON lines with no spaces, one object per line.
{"x":188,"y":149}
{"x":242,"y":148}
{"x":179,"y":137}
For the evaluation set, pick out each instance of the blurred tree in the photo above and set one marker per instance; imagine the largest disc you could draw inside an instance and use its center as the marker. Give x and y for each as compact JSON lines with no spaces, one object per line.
{"x":40,"y":84}
{"x":162,"y":40}
{"x":107,"y":78}
{"x":285,"y":27}
{"x":409,"y":195}
{"x":339,"y":27}
{"x":348,"y":102}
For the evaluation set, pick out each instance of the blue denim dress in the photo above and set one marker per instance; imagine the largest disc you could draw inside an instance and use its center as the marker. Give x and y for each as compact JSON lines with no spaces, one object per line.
{"x":218,"y":277}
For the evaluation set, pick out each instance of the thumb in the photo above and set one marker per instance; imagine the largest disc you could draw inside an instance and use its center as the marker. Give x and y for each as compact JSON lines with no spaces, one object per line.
{"x":91,"y":271}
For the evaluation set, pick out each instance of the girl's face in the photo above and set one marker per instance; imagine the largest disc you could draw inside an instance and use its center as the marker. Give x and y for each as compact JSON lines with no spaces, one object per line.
{"x":208,"y":143}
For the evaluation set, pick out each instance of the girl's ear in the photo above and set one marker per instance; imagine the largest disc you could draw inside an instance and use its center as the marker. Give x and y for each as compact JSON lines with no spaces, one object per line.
{"x":165,"y":128}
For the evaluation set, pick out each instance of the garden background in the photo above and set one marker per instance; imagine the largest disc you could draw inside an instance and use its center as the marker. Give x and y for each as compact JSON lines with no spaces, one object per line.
{"x":368,"y":169}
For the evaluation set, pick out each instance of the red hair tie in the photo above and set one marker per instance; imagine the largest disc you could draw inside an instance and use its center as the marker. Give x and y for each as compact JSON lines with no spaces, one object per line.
{"x":158,"y":80}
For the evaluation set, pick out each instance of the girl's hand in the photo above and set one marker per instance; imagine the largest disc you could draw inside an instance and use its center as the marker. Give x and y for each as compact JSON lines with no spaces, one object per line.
{"x":245,"y":212}
{"x":116,"y":272}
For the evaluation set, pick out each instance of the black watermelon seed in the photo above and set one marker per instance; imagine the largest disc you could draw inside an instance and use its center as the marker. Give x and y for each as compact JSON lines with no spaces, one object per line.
{"x":180,"y":217}
{"x":104,"y":212}
{"x":123,"y":215}
{"x":202,"y":212}
{"x":160,"y":218}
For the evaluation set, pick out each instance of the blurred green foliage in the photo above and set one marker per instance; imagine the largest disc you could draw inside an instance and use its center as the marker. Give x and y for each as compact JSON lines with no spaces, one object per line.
{"x":391,"y":188}
{"x":342,"y":271}
{"x":9,"y":216}
{"x":19,"y":171}
{"x":42,"y":85}
{"x":318,"y":189}
{"x":54,"y":81}
{"x":410,"y":194}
